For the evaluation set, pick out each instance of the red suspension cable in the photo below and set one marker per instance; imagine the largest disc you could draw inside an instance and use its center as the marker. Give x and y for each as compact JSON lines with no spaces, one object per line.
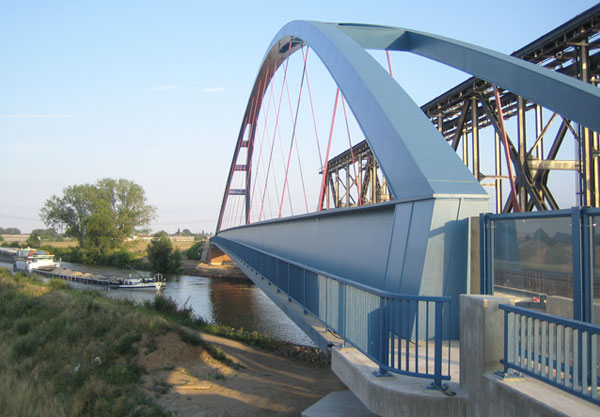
{"x":274,"y":135}
{"x":513,"y":192}
{"x":389,"y":63}
{"x":287,"y":167}
{"x":323,"y":183}
{"x":312,"y":108}
{"x":351,"y":154}
{"x":251,"y":142}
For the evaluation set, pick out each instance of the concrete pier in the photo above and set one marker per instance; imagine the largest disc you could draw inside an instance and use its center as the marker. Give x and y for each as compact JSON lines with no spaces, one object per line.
{"x":479,"y":390}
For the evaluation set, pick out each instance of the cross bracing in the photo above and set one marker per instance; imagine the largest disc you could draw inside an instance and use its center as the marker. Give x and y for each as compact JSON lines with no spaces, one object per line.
{"x":571,"y":49}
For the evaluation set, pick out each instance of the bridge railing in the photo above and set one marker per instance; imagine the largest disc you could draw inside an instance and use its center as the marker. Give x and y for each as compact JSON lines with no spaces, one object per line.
{"x":548,"y":257}
{"x":406,"y":334}
{"x":559,"y":351}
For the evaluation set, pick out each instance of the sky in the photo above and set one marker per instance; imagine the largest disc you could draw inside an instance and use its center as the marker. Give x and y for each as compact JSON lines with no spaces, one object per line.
{"x":154,"y":91}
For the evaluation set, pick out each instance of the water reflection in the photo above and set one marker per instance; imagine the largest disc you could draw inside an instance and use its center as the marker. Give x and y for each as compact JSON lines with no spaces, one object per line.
{"x":234,"y":303}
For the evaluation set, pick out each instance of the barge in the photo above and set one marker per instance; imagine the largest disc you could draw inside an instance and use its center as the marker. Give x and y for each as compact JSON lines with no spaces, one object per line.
{"x":108,"y":282}
{"x":42,"y":263}
{"x":29,"y":260}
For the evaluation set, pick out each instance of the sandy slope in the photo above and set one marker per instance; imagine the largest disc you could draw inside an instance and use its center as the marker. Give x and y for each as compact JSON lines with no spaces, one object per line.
{"x":186,"y":381}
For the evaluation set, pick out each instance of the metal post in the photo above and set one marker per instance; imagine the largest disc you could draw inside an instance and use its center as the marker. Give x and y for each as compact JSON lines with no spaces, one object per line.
{"x":382,"y":362}
{"x":373,"y":180}
{"x":490,"y":256}
{"x":522,"y":151}
{"x":498,"y":181}
{"x":577,"y":266}
{"x":483,"y":259}
{"x":359,"y":184}
{"x":596,"y":166}
{"x":475,"y":137}
{"x":506,"y":342}
{"x":304,"y":300}
{"x":337,"y":188}
{"x":585,"y":134}
{"x":348,"y":185}
{"x":587,"y":269}
{"x":539,"y":127}
{"x":437,"y":367}
{"x":465,"y":149}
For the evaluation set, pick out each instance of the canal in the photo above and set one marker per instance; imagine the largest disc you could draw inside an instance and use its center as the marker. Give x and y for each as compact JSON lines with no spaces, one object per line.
{"x":230,"y":302}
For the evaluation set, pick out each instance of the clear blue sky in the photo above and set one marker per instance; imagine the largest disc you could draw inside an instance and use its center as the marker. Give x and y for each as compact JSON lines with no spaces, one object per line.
{"x":154,"y":91}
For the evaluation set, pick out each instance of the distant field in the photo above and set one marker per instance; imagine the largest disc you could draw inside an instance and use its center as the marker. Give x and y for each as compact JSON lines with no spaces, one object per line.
{"x":135,"y":246}
{"x":66,"y":244}
{"x":141,"y":245}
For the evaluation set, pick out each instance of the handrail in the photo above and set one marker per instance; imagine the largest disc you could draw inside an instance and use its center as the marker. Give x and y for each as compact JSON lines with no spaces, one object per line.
{"x":376,"y":291}
{"x":559,"y":351}
{"x":391,"y":329}
{"x":562,"y":321}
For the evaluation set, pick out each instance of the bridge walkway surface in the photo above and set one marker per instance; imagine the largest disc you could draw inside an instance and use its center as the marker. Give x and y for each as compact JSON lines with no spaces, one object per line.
{"x":477,"y":387}
{"x":474,"y":366}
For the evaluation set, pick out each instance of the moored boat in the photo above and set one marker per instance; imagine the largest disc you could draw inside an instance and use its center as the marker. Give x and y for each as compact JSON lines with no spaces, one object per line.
{"x":139,"y":283}
{"x":31,"y":259}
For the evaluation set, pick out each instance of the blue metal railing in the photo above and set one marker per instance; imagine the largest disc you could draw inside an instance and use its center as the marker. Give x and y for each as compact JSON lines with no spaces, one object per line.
{"x":559,"y":351}
{"x":406,"y":334}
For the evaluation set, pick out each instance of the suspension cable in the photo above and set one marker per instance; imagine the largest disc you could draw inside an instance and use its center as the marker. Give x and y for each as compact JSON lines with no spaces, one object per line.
{"x":262,"y":139}
{"x":513,"y":191}
{"x":285,"y":66}
{"x":252,"y":127}
{"x":294,"y":136}
{"x":351,"y":154}
{"x":323,"y":183}
{"x":387,"y":52}
{"x":295,"y":123}
{"x":312,"y":108}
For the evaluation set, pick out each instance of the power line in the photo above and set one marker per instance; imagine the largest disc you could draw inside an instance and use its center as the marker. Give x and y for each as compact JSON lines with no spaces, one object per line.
{"x":19,"y":217}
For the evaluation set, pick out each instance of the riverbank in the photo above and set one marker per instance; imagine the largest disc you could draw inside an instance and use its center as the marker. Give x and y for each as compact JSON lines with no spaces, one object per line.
{"x":188,"y":267}
{"x":199,"y":269}
{"x":69,"y":352}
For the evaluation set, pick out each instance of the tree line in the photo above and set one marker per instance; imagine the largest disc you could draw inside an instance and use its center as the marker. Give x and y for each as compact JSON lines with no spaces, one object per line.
{"x":101,"y":216}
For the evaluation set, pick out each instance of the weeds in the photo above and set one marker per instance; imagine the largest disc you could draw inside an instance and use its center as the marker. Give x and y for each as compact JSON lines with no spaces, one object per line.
{"x":50,"y":337}
{"x":185,"y":317}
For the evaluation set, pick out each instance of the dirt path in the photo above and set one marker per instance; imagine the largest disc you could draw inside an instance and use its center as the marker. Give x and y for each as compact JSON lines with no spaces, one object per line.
{"x":186,"y":381}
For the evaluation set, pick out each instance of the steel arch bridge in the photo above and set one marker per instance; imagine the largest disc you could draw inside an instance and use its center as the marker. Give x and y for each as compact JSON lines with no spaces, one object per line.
{"x":415,"y":243}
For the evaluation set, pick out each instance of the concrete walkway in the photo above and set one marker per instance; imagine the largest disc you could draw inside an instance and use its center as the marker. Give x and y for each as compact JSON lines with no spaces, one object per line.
{"x":338,"y":404}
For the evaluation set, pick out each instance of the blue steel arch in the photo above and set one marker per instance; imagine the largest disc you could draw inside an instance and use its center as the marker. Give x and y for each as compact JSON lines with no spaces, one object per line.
{"x":407,"y":146}
{"x":417,"y":243}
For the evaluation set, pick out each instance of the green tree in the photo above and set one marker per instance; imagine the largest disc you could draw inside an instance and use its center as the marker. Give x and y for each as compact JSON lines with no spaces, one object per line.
{"x":33,"y":240}
{"x":102,"y":233}
{"x":161,"y":255}
{"x":127,"y":201}
{"x":71,"y":211}
{"x":10,"y":231}
{"x":100,"y":216}
{"x":195,"y":252}
{"x":46,"y":234}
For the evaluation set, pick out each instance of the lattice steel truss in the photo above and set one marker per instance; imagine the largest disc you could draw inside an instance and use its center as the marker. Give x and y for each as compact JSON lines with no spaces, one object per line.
{"x":353,"y":178}
{"x":460,"y":114}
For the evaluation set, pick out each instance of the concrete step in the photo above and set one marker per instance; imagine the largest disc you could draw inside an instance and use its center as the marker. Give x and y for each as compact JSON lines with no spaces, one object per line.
{"x":338,"y":404}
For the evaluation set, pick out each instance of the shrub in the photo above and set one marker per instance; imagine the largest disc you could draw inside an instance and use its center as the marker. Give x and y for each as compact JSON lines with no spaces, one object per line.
{"x":195,"y":251}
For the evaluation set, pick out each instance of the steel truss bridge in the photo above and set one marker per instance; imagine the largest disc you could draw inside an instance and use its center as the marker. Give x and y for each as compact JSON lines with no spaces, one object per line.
{"x":383,"y":255}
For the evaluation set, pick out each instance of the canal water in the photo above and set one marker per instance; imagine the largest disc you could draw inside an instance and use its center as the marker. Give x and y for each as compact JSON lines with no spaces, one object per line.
{"x":234,"y":303}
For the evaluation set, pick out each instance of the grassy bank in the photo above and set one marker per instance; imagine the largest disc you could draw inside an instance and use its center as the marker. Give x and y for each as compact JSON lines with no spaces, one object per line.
{"x":69,"y":353}
{"x":184,"y":316}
